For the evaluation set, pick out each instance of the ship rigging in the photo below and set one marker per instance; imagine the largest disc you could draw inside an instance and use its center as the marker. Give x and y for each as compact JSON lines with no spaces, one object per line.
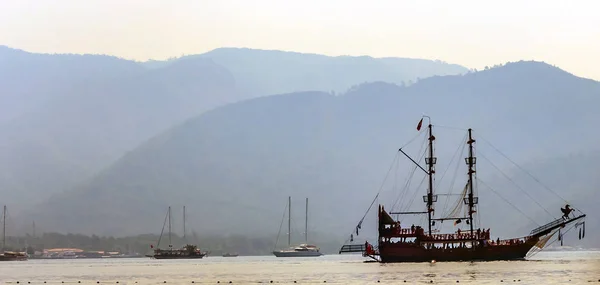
{"x":401,"y":243}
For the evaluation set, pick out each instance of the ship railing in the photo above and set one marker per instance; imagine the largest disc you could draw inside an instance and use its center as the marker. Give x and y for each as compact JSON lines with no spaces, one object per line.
{"x":547,"y":226}
{"x":461,"y":236}
{"x":349,"y":248}
{"x":399,"y":231}
{"x":513,"y":241}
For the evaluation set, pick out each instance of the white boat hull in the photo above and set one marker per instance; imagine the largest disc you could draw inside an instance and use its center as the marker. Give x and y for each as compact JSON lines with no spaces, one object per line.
{"x":297,"y":253}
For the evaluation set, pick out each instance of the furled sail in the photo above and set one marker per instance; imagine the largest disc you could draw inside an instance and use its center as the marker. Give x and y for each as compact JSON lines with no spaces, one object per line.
{"x":458,"y":207}
{"x":542,"y":242}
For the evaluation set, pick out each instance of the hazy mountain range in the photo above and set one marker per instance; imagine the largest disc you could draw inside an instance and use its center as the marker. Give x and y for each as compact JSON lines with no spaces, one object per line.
{"x":266,"y":72}
{"x":63,"y":117}
{"x":117,"y":151}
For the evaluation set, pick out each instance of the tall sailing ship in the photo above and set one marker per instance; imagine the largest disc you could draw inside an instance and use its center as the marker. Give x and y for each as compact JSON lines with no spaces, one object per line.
{"x":302,"y":250}
{"x":423,"y":244}
{"x":188,"y":251}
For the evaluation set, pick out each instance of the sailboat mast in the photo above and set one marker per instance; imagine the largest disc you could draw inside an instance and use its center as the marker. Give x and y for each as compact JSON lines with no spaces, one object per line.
{"x":306,"y":224}
{"x":289,"y":220}
{"x":170,"y":244}
{"x":471,"y":162}
{"x":184,"y":223}
{"x":430,"y":161}
{"x":4,"y":229}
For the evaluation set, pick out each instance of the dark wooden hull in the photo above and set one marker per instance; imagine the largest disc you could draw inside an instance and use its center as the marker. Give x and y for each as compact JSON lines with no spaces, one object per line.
{"x":12,"y":257}
{"x":178,"y":256}
{"x":403,"y":252}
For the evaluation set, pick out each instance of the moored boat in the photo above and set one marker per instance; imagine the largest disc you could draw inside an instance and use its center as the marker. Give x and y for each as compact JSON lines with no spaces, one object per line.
{"x":13,"y":256}
{"x":189,"y":251}
{"x":9,"y":255}
{"x":425,"y":244}
{"x":302,"y":250}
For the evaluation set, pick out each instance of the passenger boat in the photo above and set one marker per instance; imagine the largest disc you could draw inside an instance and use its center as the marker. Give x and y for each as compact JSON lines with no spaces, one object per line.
{"x":422,"y":243}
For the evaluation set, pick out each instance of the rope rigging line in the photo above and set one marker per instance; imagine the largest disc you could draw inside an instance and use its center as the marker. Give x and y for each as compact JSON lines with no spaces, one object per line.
{"x":516,"y":208}
{"x":477,"y":217}
{"x":458,"y":207}
{"x":281,"y":225}
{"x":407,"y":205}
{"x":405,"y":189}
{"x":461,"y":147}
{"x":454,"y":182}
{"x":413,"y":139}
{"x":536,"y":248}
{"x":376,"y":196}
{"x":410,"y":177}
{"x":451,"y":128}
{"x":513,"y":182}
{"x":524,"y":170}
{"x":382,"y":184}
{"x":554,"y":240}
{"x":401,"y":194}
{"x":397,"y":165}
{"x":162,"y":231}
{"x":412,"y":200}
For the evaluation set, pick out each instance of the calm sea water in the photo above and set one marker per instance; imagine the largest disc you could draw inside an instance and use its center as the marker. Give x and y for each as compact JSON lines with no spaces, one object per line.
{"x":544,"y":268}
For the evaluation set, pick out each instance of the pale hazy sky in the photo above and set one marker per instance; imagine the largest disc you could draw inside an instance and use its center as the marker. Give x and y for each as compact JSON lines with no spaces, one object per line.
{"x":472,"y":33}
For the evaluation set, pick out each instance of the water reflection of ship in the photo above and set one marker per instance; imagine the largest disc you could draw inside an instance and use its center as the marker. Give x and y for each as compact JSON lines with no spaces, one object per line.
{"x":9,"y":255}
{"x":423,"y":244}
{"x":303,"y":250}
{"x":188,"y":251}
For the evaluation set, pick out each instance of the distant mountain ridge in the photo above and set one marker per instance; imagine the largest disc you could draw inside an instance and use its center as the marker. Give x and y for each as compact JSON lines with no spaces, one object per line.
{"x":65,"y":117}
{"x":30,"y":80}
{"x":235,"y":165}
{"x":75,"y":135}
{"x":263,"y":72}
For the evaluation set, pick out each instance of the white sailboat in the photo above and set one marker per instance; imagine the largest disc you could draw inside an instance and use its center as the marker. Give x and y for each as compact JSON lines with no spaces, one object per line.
{"x":302,"y":250}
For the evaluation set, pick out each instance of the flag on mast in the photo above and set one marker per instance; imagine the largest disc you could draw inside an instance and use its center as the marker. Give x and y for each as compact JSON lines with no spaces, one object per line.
{"x":420,"y":124}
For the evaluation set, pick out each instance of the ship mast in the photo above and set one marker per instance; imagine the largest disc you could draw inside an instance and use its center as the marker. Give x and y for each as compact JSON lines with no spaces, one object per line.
{"x":306,"y":224}
{"x":289,"y":221}
{"x":4,"y":229}
{"x":471,"y":200}
{"x":430,"y":161}
{"x":184,"y":224}
{"x":170,"y":244}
